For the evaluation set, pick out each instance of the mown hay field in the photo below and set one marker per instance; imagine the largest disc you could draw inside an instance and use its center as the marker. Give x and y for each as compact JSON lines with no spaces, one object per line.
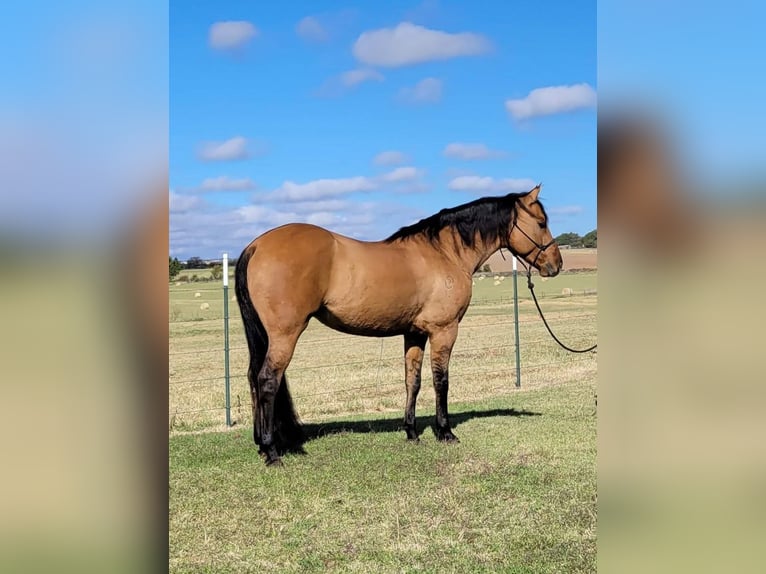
{"x":517,"y":494}
{"x":334,"y":374}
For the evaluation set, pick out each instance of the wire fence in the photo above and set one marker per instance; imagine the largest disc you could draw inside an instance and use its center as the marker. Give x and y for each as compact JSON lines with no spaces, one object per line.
{"x":333,"y":374}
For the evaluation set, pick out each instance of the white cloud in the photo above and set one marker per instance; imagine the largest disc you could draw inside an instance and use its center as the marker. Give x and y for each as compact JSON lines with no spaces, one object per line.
{"x":355,"y":77}
{"x":426,"y":91}
{"x":321,"y":205}
{"x":321,"y":28}
{"x":479,"y":184}
{"x":323,"y":218}
{"x":401,"y":174}
{"x":209,"y":230}
{"x":552,"y":100}
{"x":178,"y":203}
{"x":471,"y":151}
{"x":231,"y":149}
{"x":266,"y":215}
{"x":311,"y":30}
{"x":231,"y":35}
{"x":337,"y":85}
{"x":390,"y":158}
{"x":565,"y":211}
{"x":226,"y":183}
{"x":409,"y":44}
{"x":321,"y":189}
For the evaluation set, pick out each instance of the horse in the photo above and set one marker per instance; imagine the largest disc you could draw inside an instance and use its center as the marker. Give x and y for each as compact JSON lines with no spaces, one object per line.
{"x":416,"y":284}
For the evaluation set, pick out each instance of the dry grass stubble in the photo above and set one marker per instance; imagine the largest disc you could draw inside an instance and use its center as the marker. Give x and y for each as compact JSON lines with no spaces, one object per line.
{"x":333,"y":374}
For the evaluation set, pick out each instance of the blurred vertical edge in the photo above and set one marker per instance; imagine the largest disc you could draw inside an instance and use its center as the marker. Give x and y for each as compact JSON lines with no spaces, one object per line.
{"x":681,"y":199}
{"x":83,"y":286}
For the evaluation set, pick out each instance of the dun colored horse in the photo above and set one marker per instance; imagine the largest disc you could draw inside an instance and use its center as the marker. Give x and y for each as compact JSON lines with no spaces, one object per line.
{"x":417,"y":283}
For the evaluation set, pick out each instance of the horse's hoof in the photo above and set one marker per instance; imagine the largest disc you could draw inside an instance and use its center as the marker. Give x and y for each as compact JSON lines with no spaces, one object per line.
{"x":276,"y":462}
{"x":413,"y":439}
{"x":447,"y":436}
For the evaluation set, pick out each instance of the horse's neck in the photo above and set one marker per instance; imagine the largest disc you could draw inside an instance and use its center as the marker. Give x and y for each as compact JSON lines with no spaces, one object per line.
{"x":469,"y":258}
{"x":486,"y":254}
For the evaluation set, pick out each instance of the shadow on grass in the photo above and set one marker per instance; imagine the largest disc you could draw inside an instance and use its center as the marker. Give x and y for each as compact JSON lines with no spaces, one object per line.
{"x":377,"y":425}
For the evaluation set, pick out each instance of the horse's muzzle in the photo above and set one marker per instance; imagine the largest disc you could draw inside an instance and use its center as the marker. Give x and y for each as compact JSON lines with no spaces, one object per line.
{"x":549,"y":269}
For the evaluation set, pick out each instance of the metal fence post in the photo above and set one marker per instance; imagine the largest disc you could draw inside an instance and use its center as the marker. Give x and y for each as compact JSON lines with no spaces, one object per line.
{"x":226,"y":336}
{"x":516,"y":323}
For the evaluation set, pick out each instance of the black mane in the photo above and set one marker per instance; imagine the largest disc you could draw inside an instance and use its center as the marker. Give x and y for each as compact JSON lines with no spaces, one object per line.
{"x":490,"y":217}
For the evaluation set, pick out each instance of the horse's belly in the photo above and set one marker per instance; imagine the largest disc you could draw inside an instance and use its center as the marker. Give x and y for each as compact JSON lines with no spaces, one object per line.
{"x":367,"y":321}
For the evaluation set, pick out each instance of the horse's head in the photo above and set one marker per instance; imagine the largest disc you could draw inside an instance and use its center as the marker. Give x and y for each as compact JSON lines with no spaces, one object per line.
{"x":530,"y":239}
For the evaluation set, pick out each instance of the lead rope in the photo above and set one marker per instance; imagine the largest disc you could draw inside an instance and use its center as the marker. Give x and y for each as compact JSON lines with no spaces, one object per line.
{"x":531,"y":285}
{"x":555,"y":338}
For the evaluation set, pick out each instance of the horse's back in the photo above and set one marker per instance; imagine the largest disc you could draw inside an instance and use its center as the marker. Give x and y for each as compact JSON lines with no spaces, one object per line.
{"x":297,"y":239}
{"x":368,"y":288}
{"x":374,"y":265}
{"x":373,"y":290}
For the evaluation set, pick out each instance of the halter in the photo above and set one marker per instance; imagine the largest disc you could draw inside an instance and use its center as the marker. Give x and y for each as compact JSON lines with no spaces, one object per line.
{"x":541,"y":249}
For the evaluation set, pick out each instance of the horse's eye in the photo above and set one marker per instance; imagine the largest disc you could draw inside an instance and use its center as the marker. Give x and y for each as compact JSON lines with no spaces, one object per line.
{"x":542,"y":225}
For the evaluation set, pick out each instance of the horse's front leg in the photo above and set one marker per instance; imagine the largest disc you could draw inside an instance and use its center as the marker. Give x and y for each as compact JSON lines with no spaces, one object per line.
{"x":442,"y":342}
{"x":414,"y":346}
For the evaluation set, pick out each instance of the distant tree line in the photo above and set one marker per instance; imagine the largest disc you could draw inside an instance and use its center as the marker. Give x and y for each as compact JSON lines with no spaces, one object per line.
{"x":195,"y":263}
{"x":588,"y":240}
{"x":175,"y":267}
{"x":216,"y":270}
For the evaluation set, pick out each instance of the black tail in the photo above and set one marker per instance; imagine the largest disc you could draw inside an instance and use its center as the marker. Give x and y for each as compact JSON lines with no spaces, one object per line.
{"x":288,"y":434}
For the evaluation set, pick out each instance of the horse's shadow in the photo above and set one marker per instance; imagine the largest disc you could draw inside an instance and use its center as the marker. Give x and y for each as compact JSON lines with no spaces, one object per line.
{"x":377,"y":425}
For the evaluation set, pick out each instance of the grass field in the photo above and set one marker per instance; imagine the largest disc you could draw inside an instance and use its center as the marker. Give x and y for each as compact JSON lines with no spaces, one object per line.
{"x":334,"y":374}
{"x":518,"y":494}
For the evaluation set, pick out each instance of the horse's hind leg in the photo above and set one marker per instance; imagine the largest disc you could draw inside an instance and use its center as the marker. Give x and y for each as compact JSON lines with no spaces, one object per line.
{"x":414,"y":344}
{"x":271,"y":375}
{"x":442,"y":342}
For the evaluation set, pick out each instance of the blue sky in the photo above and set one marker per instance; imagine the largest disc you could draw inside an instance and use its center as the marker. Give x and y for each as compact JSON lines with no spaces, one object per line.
{"x":363,"y":118}
{"x":696,"y":68}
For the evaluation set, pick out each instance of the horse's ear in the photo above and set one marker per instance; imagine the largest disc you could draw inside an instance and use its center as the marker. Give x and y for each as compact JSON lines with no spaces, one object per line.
{"x":532,"y":194}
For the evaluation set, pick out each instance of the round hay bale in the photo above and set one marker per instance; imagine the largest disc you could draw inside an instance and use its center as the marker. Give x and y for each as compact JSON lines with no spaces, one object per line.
{"x":205,"y":306}
{"x":473,"y":283}
{"x":566,"y":291}
{"x":481,"y":278}
{"x":178,"y":283}
{"x":502,"y":278}
{"x":497,"y":277}
{"x":197,"y":295}
{"x":233,"y":297}
{"x":496,"y":282}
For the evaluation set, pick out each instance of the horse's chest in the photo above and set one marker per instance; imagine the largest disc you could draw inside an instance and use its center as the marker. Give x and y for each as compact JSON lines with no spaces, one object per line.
{"x":447,"y":302}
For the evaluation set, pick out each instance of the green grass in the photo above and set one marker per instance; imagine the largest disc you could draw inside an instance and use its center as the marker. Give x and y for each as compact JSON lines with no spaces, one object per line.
{"x":518,"y":494}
